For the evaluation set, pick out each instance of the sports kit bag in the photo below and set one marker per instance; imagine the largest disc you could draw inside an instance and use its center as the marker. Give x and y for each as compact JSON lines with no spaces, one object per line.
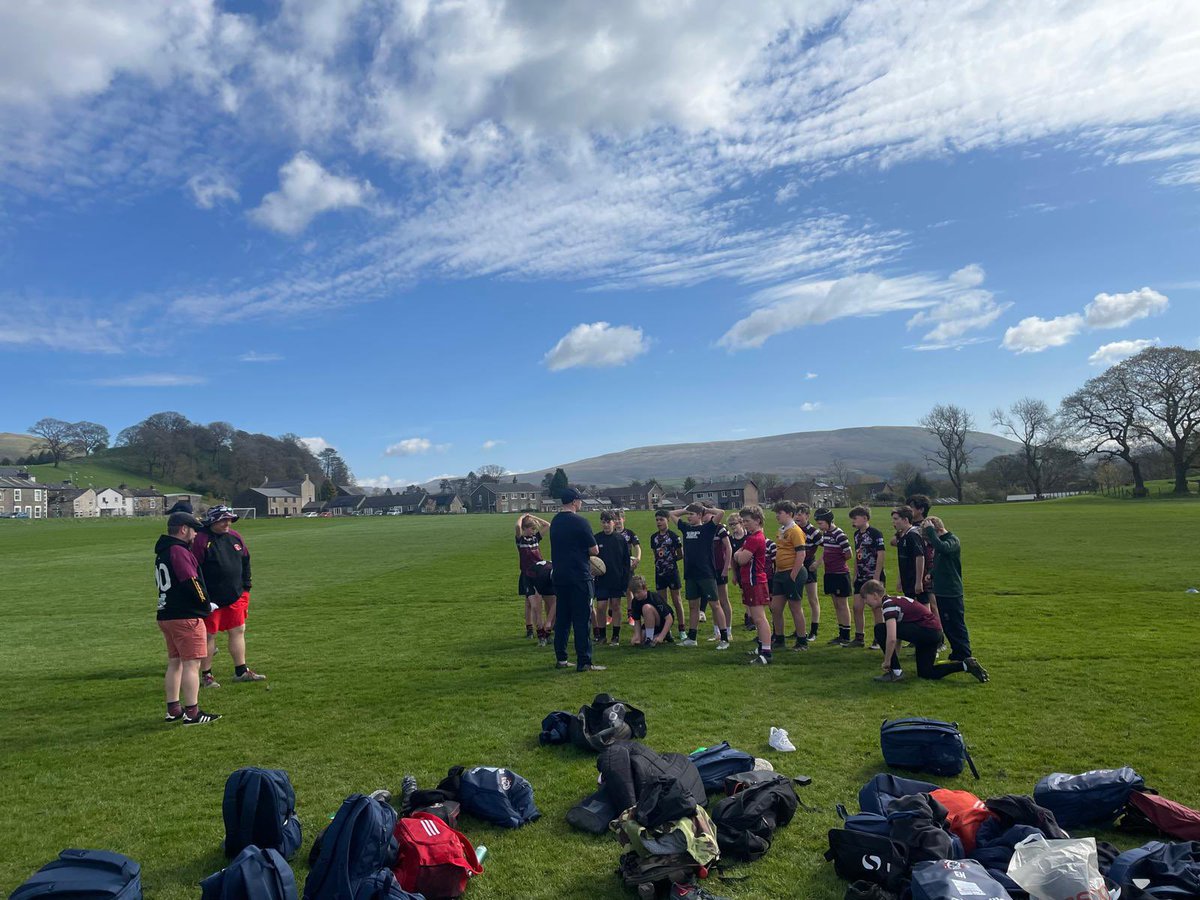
{"x":556,"y":728}
{"x":382,"y":885}
{"x":964,"y":814}
{"x":90,"y":874}
{"x":862,"y":856}
{"x":925,"y":745}
{"x":1092,"y":799}
{"x":357,"y":844}
{"x":1147,"y":811}
{"x":872,"y":823}
{"x":877,"y":794}
{"x":254,"y":874}
{"x":446,"y":810}
{"x":628,"y":769}
{"x":593,"y":813}
{"x":718,"y":762}
{"x":743,"y":780}
{"x":955,"y":879}
{"x":746,"y":822}
{"x":663,"y":870}
{"x":496,"y":795}
{"x":605,"y":721}
{"x":1161,"y":869}
{"x":433,"y":858}
{"x":259,"y":808}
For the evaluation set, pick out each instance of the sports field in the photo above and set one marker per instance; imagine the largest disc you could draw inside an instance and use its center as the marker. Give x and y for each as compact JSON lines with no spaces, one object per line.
{"x":396,"y":645}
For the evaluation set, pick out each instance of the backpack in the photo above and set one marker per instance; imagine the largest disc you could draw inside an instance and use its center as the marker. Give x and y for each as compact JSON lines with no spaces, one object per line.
{"x":1169,"y":870}
{"x":1147,"y":811}
{"x":676,"y":868}
{"x":94,"y":874}
{"x":871,"y":823}
{"x":718,"y":762}
{"x":628,"y":769}
{"x":357,"y":844}
{"x":964,"y":814}
{"x":1093,"y":799}
{"x":254,"y":874}
{"x":259,"y":808}
{"x":433,"y":858}
{"x":877,"y":794}
{"x":499,"y":796}
{"x":605,"y":721}
{"x":446,"y":810}
{"x":861,"y":856}
{"x":953,"y":878}
{"x":556,"y":728}
{"x":381,"y":885}
{"x":746,"y":822}
{"x":743,"y":780}
{"x":593,"y":813}
{"x":925,"y":745}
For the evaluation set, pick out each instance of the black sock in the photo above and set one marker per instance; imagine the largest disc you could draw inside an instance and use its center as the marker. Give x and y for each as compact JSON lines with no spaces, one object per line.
{"x":597,"y":634}
{"x":858,"y":635}
{"x":616,"y":633}
{"x":529,"y":629}
{"x":239,"y":671}
{"x":812,"y":632}
{"x":726,"y":634}
{"x":844,"y":632}
{"x":174,"y":708}
{"x":691,"y":634}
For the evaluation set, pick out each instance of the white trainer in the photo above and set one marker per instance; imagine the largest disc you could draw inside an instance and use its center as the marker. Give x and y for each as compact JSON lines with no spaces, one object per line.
{"x":780,"y":741}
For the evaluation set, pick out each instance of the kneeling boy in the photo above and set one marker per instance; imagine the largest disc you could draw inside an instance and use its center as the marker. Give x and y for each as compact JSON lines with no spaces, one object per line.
{"x":651,"y":616}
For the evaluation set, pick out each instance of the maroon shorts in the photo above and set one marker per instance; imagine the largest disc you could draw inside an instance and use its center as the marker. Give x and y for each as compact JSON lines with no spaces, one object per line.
{"x":756,"y":595}
{"x":186,"y":638}
{"x":230,"y":616}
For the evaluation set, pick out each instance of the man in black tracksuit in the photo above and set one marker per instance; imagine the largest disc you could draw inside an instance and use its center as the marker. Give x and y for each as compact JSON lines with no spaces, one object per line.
{"x":224,"y":559}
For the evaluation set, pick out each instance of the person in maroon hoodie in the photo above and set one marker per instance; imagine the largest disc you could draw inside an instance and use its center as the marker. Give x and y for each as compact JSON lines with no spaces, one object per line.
{"x":221,"y":554}
{"x":182,"y":606}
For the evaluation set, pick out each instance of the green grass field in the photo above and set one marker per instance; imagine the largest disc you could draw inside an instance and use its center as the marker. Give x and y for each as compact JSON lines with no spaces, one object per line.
{"x":396,"y":645}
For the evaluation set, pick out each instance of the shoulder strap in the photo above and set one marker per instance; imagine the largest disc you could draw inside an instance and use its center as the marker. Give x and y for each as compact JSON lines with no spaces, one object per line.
{"x":970,"y":762}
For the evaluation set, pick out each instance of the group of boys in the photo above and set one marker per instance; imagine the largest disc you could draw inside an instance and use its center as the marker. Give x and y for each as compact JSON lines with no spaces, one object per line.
{"x":778,"y":577}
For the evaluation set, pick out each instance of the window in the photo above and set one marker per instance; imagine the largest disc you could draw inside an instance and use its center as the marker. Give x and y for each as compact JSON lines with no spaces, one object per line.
{"x":37,"y":495}
{"x":16,"y":494}
{"x":37,"y":512}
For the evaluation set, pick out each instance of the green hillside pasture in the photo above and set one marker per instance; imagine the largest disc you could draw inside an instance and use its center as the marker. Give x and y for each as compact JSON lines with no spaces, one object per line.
{"x":396,"y":645}
{"x":13,"y":446}
{"x":98,"y":472}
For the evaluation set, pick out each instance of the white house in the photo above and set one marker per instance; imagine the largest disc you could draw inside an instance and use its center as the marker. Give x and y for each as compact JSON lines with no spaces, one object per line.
{"x":111,"y":502}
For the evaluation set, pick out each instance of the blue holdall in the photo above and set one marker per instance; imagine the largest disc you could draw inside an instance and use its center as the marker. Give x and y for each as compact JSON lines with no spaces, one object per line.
{"x":1162,"y":869}
{"x":254,"y":874}
{"x":1092,"y":799}
{"x":259,"y":808}
{"x":877,"y":794}
{"x":718,"y":762}
{"x":925,"y":745}
{"x":359,"y":842}
{"x":91,"y":874}
{"x":499,"y":796}
{"x":952,"y":879}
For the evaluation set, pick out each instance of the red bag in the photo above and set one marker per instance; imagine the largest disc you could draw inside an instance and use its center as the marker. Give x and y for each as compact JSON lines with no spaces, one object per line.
{"x":434,"y":859}
{"x":966,"y":813}
{"x":1171,"y":818}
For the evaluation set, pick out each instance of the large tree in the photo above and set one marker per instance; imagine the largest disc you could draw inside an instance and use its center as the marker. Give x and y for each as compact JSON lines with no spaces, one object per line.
{"x":558,"y":484}
{"x":1103,"y":418}
{"x":491,"y":472}
{"x":56,"y":437}
{"x":949,"y":425}
{"x":1031,"y":424}
{"x":1166,"y":383}
{"x":90,"y":437}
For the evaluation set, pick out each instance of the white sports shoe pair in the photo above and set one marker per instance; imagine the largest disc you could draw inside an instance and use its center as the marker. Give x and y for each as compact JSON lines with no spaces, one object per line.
{"x":780,"y":741}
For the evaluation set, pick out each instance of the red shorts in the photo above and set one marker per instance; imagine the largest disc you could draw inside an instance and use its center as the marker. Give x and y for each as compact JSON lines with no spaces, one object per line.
{"x":186,"y":638}
{"x":230,"y":616}
{"x":756,"y":594}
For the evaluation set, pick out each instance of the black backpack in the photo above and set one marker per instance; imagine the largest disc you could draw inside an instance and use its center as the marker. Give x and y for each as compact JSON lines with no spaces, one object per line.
{"x":861,"y":856}
{"x":592,"y":814}
{"x":556,"y":728}
{"x":359,"y":842}
{"x":259,"y":808}
{"x":925,"y":745}
{"x":746,"y":822}
{"x":718,"y":762}
{"x":628,"y":769}
{"x":254,"y":874}
{"x":605,"y":721}
{"x":95,"y":874}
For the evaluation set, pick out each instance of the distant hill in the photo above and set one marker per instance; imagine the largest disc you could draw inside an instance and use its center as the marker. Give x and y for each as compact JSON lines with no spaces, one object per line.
{"x":872,"y":451}
{"x":101,"y":471}
{"x":14,"y":446}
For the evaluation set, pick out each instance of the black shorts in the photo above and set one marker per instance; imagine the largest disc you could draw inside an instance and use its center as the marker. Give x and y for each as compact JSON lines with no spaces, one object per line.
{"x":722,"y":579}
{"x":924,"y":597}
{"x":837,"y":585}
{"x":526,"y":586}
{"x":543,"y":581}
{"x":609,"y":592}
{"x":859,"y":582}
{"x":811,"y":575}
{"x":697,"y":588}
{"x":665,"y":581}
{"x":782,"y":585}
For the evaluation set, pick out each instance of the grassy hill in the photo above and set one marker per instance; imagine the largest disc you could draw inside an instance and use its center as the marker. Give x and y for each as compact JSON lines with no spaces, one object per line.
{"x":101,"y":471}
{"x":13,"y":446}
{"x":871,"y":450}
{"x":343,"y":620}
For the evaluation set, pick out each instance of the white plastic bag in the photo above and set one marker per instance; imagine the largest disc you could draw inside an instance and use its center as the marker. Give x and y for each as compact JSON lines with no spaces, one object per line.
{"x":1058,"y":870}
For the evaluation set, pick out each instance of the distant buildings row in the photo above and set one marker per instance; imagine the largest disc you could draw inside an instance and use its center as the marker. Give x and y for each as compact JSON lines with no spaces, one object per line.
{"x":22,"y":495}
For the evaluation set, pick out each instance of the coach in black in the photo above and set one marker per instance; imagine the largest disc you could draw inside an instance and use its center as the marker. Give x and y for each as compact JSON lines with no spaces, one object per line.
{"x":572,"y":545}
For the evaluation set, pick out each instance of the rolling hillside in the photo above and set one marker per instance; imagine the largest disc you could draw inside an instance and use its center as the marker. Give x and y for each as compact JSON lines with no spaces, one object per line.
{"x":872,"y":451}
{"x":13,"y":446}
{"x":101,"y":471}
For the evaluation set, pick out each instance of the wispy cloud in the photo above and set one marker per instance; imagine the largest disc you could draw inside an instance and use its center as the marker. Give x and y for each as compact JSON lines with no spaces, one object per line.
{"x":1118,"y":310}
{"x":597,"y":345}
{"x":414,"y":446}
{"x":491,"y":444}
{"x":150,"y":380}
{"x":255,"y":357}
{"x":209,"y":189}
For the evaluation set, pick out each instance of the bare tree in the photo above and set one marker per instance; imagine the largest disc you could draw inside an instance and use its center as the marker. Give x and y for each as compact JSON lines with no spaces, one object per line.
{"x":57,"y":437}
{"x":842,"y":474}
{"x":492,"y":472}
{"x":1031,"y":424}
{"x":1103,"y":419}
{"x":902,"y":474}
{"x":1166,"y":383}
{"x":90,"y":437}
{"x":949,"y":425}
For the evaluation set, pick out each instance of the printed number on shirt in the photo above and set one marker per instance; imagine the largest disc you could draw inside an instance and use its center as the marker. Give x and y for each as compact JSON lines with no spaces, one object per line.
{"x":162,"y":577}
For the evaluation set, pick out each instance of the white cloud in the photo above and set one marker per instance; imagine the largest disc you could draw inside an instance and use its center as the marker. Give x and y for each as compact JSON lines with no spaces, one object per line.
{"x":809,"y":406}
{"x":50,"y":326}
{"x":1114,"y":352}
{"x":315,"y":444}
{"x":1035,"y":334}
{"x":1118,"y":310}
{"x":810,"y":375}
{"x":150,"y":380}
{"x":409,"y":447}
{"x":254,"y":356}
{"x":597,"y":345}
{"x":306,"y":190}
{"x":491,"y":444}
{"x":210,"y":188}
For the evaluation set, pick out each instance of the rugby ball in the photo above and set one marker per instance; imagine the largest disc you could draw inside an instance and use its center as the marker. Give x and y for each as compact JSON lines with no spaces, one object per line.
{"x":598,"y":567}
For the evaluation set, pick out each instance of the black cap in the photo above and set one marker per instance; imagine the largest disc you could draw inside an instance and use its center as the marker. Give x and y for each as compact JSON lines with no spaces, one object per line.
{"x":179,"y":519}
{"x":570,"y":495}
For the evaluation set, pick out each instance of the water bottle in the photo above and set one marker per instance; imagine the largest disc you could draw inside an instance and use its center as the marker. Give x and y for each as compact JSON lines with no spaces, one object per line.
{"x":481,"y":853}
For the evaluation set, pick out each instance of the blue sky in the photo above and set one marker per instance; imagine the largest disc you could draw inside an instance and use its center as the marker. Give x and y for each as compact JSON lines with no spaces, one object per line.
{"x":439,"y":235}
